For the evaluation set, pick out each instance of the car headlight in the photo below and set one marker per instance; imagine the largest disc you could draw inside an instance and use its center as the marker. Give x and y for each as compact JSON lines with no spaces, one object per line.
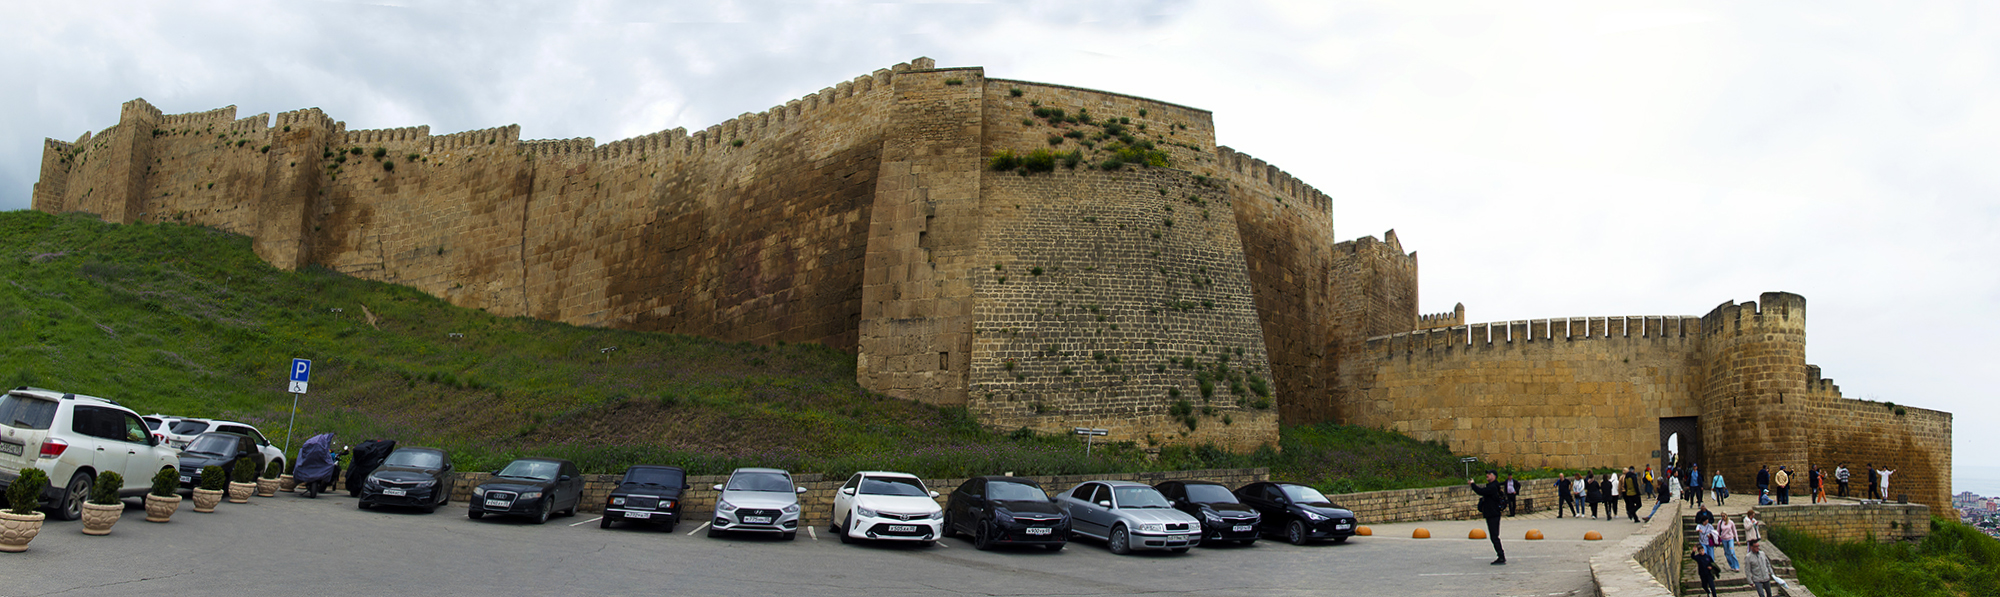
{"x":426,"y":483}
{"x":531,"y":495}
{"x":864,"y":512}
{"x":1211,"y":518}
{"x":1315,"y":516}
{"x":667,"y":505}
{"x":1001,"y":516}
{"x":792,"y":509}
{"x":478,"y":492}
{"x":373,"y":483}
{"x":1153,"y":527}
{"x":938,"y":515}
{"x":725,"y":506}
{"x":617,"y":500}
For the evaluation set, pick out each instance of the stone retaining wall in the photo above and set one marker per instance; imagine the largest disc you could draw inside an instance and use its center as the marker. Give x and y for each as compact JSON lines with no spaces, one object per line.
{"x":1454,"y":502}
{"x":1852,"y":521}
{"x":1646,"y":563}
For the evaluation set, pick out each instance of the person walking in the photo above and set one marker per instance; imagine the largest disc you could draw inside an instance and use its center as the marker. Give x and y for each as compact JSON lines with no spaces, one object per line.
{"x":1607,"y":487}
{"x":1726,"y":533}
{"x":1694,"y":485}
{"x":1707,"y":536}
{"x":1757,"y":569}
{"x":1629,"y":488}
{"x":1513,"y":493}
{"x":1784,"y":482}
{"x":1884,"y":474}
{"x":1874,"y":483}
{"x":1721,"y":490}
{"x":1818,"y":485}
{"x":1764,"y":479}
{"x":1492,"y":499}
{"x":1705,"y":564}
{"x":1562,"y":494}
{"x":1576,"y":498}
{"x":1840,"y":475}
{"x":1753,"y":529}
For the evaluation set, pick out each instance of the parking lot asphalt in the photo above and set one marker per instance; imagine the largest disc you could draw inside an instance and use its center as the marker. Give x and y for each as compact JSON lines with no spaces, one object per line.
{"x":328,"y":546}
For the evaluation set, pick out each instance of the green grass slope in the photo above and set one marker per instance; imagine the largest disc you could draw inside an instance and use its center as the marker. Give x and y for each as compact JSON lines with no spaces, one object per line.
{"x":1955,"y":560}
{"x":187,"y":320}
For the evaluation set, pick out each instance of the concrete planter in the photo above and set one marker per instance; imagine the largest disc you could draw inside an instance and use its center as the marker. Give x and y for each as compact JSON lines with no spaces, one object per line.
{"x":287,"y":484}
{"x":267,"y":487}
{"x":161,"y":509}
{"x":239,"y":493}
{"x":16,"y":530}
{"x":98,"y":518}
{"x":206,"y":499}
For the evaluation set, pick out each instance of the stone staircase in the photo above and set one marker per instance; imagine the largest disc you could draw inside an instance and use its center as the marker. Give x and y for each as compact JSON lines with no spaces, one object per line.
{"x":1730,"y":583}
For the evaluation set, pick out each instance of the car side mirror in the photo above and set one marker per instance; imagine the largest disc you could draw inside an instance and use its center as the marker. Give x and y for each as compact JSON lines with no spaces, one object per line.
{"x":717,"y":488}
{"x":685,"y":486}
{"x":565,"y":478}
{"x":847,"y":490}
{"x":802,"y":491}
{"x":934,"y":495}
{"x":1105,"y":504}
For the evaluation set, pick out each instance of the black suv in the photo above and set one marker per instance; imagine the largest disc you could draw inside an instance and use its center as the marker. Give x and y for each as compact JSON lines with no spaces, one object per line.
{"x":646,"y":494}
{"x":1005,"y":510}
{"x":1298,"y":513}
{"x":418,"y":477}
{"x":533,"y":487}
{"x":1223,"y":517}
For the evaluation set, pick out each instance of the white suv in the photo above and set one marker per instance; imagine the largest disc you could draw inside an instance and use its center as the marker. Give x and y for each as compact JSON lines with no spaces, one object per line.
{"x":72,"y":438}
{"x":178,"y":431}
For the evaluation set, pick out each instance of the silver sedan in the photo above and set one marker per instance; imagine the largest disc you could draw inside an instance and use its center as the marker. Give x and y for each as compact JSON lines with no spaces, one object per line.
{"x":1128,"y":516}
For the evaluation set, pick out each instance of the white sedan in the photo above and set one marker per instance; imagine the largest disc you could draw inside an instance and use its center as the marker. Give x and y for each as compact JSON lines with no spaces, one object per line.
{"x":888,"y":506}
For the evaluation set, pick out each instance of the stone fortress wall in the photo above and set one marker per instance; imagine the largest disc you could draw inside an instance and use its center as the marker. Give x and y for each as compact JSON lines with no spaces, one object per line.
{"x":1202,"y":302}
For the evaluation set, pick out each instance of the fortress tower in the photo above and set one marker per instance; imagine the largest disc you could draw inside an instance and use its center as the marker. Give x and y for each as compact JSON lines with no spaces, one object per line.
{"x":1754,"y":379}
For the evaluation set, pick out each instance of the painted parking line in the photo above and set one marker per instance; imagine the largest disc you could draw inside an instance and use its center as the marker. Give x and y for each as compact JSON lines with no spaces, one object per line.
{"x":588,"y":521}
{"x":699,"y":528}
{"x":810,"y":533}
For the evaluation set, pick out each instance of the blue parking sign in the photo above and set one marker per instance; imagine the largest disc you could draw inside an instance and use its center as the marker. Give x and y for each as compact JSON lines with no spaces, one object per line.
{"x":302,"y":370}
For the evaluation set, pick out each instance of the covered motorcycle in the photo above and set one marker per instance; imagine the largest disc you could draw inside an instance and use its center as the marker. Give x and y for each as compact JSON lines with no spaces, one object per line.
{"x":317,"y":466}
{"x":367,"y":457}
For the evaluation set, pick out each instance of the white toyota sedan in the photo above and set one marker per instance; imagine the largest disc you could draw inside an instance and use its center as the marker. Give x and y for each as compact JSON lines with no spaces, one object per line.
{"x":887,"y":506}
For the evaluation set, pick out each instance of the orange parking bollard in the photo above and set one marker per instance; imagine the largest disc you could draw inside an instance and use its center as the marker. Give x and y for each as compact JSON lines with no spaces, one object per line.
{"x":1592,"y":536}
{"x":1534,"y":534}
{"x":1476,"y":534}
{"x":1421,"y":533}
{"x":1364,"y":531}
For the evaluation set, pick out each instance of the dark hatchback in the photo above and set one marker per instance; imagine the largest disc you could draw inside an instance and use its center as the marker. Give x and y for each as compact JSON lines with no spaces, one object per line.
{"x":216,"y":448}
{"x":1223,"y":517}
{"x":1005,"y":511}
{"x":533,"y":487}
{"x":1298,"y":513}
{"x":649,"y":494}
{"x":412,"y":477}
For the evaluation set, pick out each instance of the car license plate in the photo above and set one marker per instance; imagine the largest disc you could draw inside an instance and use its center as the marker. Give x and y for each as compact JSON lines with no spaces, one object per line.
{"x":902,"y":528}
{"x":8,"y":448}
{"x":756,"y":520}
{"x":498,"y":503}
{"x":185,"y":479}
{"x":1241,"y":528}
{"x":638,"y":514}
{"x":1341,"y":527}
{"x":395,"y":492}
{"x":1040,"y":530}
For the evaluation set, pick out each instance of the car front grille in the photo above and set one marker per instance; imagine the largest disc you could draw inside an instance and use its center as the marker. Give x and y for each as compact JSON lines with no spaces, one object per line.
{"x":505,"y":496}
{"x":642,"y":502}
{"x":901,"y":516}
{"x":750,"y":512}
{"x":1177,"y":526}
{"x":1037,"y":521}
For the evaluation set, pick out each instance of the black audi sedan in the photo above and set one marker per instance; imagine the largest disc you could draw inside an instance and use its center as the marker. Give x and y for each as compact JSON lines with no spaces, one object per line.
{"x":414,"y":477}
{"x":533,"y":487}
{"x":1224,"y":519}
{"x":216,"y":448}
{"x":1005,"y":511}
{"x":650,"y":494}
{"x":1298,"y":513}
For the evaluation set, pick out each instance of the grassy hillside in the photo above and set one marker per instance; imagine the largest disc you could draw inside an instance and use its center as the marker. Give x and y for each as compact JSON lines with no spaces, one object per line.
{"x":1955,"y":560}
{"x":187,"y":320}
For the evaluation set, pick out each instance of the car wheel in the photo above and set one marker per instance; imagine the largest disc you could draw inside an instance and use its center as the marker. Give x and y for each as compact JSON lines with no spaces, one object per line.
{"x":70,"y":506}
{"x":1296,"y":533}
{"x":429,"y":508}
{"x":604,"y":523}
{"x":982,"y":537}
{"x":548,"y":508}
{"x":363,"y":504}
{"x":949,"y":528}
{"x":1120,"y":541}
{"x":1247,"y":542}
{"x":714,"y":532}
{"x":845,"y":526}
{"x":474,"y":514}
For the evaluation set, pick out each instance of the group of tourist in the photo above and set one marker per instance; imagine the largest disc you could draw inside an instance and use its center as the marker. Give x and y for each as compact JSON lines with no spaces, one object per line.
{"x":1878,"y":483}
{"x":1713,"y":535}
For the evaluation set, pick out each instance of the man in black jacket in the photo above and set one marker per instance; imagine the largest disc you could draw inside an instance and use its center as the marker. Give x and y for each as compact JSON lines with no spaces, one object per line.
{"x":1492,"y":499}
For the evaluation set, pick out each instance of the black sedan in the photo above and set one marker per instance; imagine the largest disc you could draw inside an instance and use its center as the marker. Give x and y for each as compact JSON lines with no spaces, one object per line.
{"x":646,"y":494}
{"x":533,"y":487}
{"x":216,"y":448}
{"x":1223,"y":517}
{"x":415,"y":477}
{"x":1298,"y":513}
{"x":1005,"y":511}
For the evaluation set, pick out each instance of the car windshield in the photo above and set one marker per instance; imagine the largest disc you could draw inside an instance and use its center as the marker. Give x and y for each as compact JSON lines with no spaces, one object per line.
{"x":531,"y":469}
{"x":1001,"y":490}
{"x":220,"y":444}
{"x":27,"y":412}
{"x":415,"y":459}
{"x":909,"y":486}
{"x":188,"y":427}
{"x":1210,"y":494}
{"x":1138,"y":497}
{"x":1300,"y":494}
{"x":759,"y":482}
{"x":664,"y":477}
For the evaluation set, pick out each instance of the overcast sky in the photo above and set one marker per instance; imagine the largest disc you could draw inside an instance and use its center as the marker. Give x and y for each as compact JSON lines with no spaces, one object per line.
{"x":1547,"y":159}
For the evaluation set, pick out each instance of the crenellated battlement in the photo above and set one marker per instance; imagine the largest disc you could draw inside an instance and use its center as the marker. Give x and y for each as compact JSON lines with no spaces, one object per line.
{"x":306,"y":118}
{"x":497,"y":136}
{"x":1243,"y":166}
{"x":1442,"y":320}
{"x":225,"y":114}
{"x":1520,"y":332}
{"x":1820,"y":385}
{"x":401,"y":137}
{"x":1772,"y":312}
{"x":258,"y":123}
{"x":582,"y":147}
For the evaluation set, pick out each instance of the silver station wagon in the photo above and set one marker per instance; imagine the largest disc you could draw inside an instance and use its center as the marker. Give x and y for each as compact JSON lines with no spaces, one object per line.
{"x":1128,"y":516}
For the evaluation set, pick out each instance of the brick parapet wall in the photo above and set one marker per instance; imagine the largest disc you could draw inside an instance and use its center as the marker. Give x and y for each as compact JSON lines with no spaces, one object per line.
{"x":1646,"y":563}
{"x":1843,"y":521}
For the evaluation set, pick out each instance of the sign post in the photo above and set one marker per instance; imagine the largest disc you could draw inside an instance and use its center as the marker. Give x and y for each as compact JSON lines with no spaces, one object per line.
{"x":1467,"y":461}
{"x":301,"y":373}
{"x":1089,"y":435}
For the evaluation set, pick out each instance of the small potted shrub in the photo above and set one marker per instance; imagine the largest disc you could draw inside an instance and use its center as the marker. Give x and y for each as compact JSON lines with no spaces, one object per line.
{"x":267,"y":485}
{"x":286,"y":483}
{"x":210,"y":492}
{"x":20,"y":523}
{"x":103,"y":508}
{"x":242,"y":481}
{"x":164,"y":498}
